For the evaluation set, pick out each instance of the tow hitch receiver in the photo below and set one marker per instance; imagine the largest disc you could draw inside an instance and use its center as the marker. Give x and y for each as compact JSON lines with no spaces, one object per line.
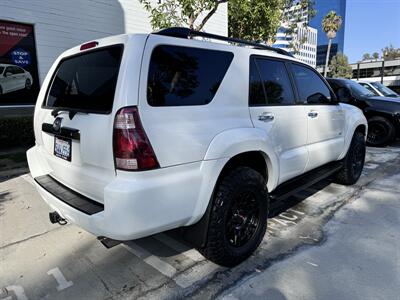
{"x":56,"y":218}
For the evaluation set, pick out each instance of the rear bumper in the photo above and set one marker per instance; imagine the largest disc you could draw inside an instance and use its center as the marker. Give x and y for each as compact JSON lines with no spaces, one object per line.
{"x":140,"y":204}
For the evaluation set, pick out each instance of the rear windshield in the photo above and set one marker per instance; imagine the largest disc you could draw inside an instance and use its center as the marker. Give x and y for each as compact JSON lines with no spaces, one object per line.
{"x":180,"y":76}
{"x":86,"y":82}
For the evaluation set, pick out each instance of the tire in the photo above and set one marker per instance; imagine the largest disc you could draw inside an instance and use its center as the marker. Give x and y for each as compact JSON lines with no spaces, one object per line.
{"x":380,"y":131}
{"x":238,"y":218}
{"x":353,"y":162}
{"x":28,"y":84}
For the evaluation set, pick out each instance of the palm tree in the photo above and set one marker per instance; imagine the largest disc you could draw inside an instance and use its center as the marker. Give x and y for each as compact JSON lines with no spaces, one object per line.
{"x":330,"y":25}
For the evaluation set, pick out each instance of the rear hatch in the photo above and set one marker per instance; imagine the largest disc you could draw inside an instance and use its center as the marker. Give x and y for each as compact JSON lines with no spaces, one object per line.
{"x":75,"y":116}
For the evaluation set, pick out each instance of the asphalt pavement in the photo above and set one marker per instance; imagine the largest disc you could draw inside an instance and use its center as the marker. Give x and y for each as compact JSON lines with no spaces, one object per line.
{"x":327,"y":242}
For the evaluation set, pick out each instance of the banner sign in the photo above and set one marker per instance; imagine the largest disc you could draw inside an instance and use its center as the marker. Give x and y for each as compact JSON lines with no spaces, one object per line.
{"x":19,"y":79}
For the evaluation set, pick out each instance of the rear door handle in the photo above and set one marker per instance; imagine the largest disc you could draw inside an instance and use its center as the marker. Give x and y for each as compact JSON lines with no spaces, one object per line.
{"x":266,"y":117}
{"x":313,"y":114}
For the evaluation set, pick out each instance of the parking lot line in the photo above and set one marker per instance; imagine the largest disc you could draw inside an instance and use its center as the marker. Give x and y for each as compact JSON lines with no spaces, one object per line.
{"x":152,"y":260}
{"x":179,"y":247}
{"x":195,"y":274}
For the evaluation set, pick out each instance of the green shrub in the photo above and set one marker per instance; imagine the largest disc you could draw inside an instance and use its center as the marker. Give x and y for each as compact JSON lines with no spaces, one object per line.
{"x":16,"y":131}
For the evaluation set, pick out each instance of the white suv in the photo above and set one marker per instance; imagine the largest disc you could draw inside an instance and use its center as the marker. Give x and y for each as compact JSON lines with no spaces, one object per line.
{"x":142,"y":133}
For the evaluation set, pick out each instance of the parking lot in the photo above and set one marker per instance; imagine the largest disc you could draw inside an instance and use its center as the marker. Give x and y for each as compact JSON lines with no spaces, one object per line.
{"x":39,"y":260}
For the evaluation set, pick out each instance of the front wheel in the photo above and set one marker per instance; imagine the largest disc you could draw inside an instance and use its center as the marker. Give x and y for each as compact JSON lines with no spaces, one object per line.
{"x":380,"y":131}
{"x":238,"y":219}
{"x":353,"y":163}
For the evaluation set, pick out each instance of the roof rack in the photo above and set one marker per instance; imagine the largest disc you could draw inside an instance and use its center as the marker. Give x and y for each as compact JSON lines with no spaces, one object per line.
{"x":186,"y":33}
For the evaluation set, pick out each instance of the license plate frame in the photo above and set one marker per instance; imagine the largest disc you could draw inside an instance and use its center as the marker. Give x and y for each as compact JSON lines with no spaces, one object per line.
{"x":62,"y":148}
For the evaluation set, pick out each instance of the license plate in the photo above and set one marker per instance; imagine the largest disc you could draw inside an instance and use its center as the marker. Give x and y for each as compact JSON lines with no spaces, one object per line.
{"x":62,"y":148}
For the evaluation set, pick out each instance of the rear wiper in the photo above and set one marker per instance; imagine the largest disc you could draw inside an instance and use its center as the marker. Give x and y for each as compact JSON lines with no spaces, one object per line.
{"x":71,"y":112}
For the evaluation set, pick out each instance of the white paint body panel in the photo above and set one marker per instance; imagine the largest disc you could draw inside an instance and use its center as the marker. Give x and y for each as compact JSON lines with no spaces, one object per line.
{"x":192,"y":145}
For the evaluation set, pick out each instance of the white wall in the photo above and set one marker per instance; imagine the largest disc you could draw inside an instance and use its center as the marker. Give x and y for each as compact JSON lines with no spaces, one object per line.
{"x":62,"y":24}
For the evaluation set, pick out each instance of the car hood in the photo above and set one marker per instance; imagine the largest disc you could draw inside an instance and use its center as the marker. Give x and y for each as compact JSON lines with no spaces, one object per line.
{"x":387,"y":104}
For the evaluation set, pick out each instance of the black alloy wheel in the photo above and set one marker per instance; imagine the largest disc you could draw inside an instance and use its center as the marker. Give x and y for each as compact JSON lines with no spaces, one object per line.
{"x":243,"y":219}
{"x":380,"y":131}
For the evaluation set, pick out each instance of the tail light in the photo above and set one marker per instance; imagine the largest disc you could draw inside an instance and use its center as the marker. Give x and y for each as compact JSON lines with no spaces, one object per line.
{"x":132,"y":148}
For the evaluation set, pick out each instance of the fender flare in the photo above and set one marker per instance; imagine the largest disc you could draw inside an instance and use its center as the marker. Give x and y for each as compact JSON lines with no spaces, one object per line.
{"x":221,"y":149}
{"x":354,"y":118}
{"x":232,"y":142}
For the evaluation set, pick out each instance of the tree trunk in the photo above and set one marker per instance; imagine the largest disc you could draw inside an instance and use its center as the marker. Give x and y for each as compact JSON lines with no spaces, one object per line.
{"x":327,"y":57}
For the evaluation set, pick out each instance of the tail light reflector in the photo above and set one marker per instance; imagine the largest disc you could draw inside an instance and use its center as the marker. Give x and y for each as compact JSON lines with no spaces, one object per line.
{"x":132,"y":148}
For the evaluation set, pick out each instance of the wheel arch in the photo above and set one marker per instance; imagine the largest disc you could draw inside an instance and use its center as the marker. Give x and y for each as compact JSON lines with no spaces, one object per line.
{"x":240,"y":148}
{"x":355,"y":121}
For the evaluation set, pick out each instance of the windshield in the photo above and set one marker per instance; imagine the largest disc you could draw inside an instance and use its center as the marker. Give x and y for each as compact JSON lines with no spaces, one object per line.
{"x":369,"y":88}
{"x":383,"y":89}
{"x":358,"y":89}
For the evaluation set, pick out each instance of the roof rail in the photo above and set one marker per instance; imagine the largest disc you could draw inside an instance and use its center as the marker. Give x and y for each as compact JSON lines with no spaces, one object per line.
{"x":186,"y":33}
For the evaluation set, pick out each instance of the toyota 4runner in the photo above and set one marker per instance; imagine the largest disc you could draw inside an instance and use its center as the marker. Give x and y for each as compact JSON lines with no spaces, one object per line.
{"x":142,"y":133}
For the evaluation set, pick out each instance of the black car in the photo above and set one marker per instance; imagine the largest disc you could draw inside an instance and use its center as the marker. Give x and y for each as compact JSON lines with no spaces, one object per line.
{"x":382,"y":113}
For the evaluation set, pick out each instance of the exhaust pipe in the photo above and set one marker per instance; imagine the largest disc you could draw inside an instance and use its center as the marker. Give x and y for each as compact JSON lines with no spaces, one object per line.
{"x":56,"y":218}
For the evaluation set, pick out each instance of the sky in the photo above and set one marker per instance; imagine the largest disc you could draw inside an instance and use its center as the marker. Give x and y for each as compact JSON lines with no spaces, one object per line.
{"x":370,"y":26}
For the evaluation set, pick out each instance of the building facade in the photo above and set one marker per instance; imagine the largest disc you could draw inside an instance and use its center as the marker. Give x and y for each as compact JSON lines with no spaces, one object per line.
{"x":302,"y":41}
{"x":34,"y":33}
{"x":323,"y":7}
{"x":386,"y":72}
{"x":306,"y":50}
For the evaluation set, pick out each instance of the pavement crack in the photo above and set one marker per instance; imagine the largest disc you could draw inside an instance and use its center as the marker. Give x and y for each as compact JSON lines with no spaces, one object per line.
{"x":29,"y":238}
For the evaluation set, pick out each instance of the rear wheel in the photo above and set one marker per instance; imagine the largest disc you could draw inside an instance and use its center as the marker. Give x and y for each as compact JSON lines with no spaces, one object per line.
{"x":28,"y":84}
{"x":238,"y":217}
{"x":353,"y":163}
{"x":380,"y":131}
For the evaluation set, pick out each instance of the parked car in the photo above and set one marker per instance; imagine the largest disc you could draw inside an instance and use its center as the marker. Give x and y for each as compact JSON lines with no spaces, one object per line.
{"x":379,"y":89}
{"x":13,"y":78}
{"x":142,"y":133}
{"x":382,"y":113}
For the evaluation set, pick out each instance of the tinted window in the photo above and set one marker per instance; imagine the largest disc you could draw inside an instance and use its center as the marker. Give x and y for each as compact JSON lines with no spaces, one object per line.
{"x":185,"y":76}
{"x":86,"y":82}
{"x":310,"y":86}
{"x":256,"y":93}
{"x":276,"y":82}
{"x":16,"y":70}
{"x":9,"y":70}
{"x":1,"y":70}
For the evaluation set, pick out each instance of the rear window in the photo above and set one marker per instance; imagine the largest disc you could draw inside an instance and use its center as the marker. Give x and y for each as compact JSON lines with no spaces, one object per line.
{"x":1,"y":70}
{"x":86,"y":82}
{"x":181,"y":76}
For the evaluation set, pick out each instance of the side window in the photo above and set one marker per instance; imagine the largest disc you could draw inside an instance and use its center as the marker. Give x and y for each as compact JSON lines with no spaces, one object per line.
{"x":181,"y":76}
{"x":18,"y":70}
{"x":256,"y":89}
{"x":277,"y":86}
{"x":9,"y":70}
{"x":310,"y":86}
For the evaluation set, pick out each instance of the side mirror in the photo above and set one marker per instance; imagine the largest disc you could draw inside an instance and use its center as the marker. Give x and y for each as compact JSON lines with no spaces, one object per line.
{"x":8,"y":74}
{"x":344,"y":95}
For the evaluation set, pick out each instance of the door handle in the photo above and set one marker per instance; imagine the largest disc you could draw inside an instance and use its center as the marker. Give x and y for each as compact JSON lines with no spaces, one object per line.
{"x":313,"y":114}
{"x":266,"y":117}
